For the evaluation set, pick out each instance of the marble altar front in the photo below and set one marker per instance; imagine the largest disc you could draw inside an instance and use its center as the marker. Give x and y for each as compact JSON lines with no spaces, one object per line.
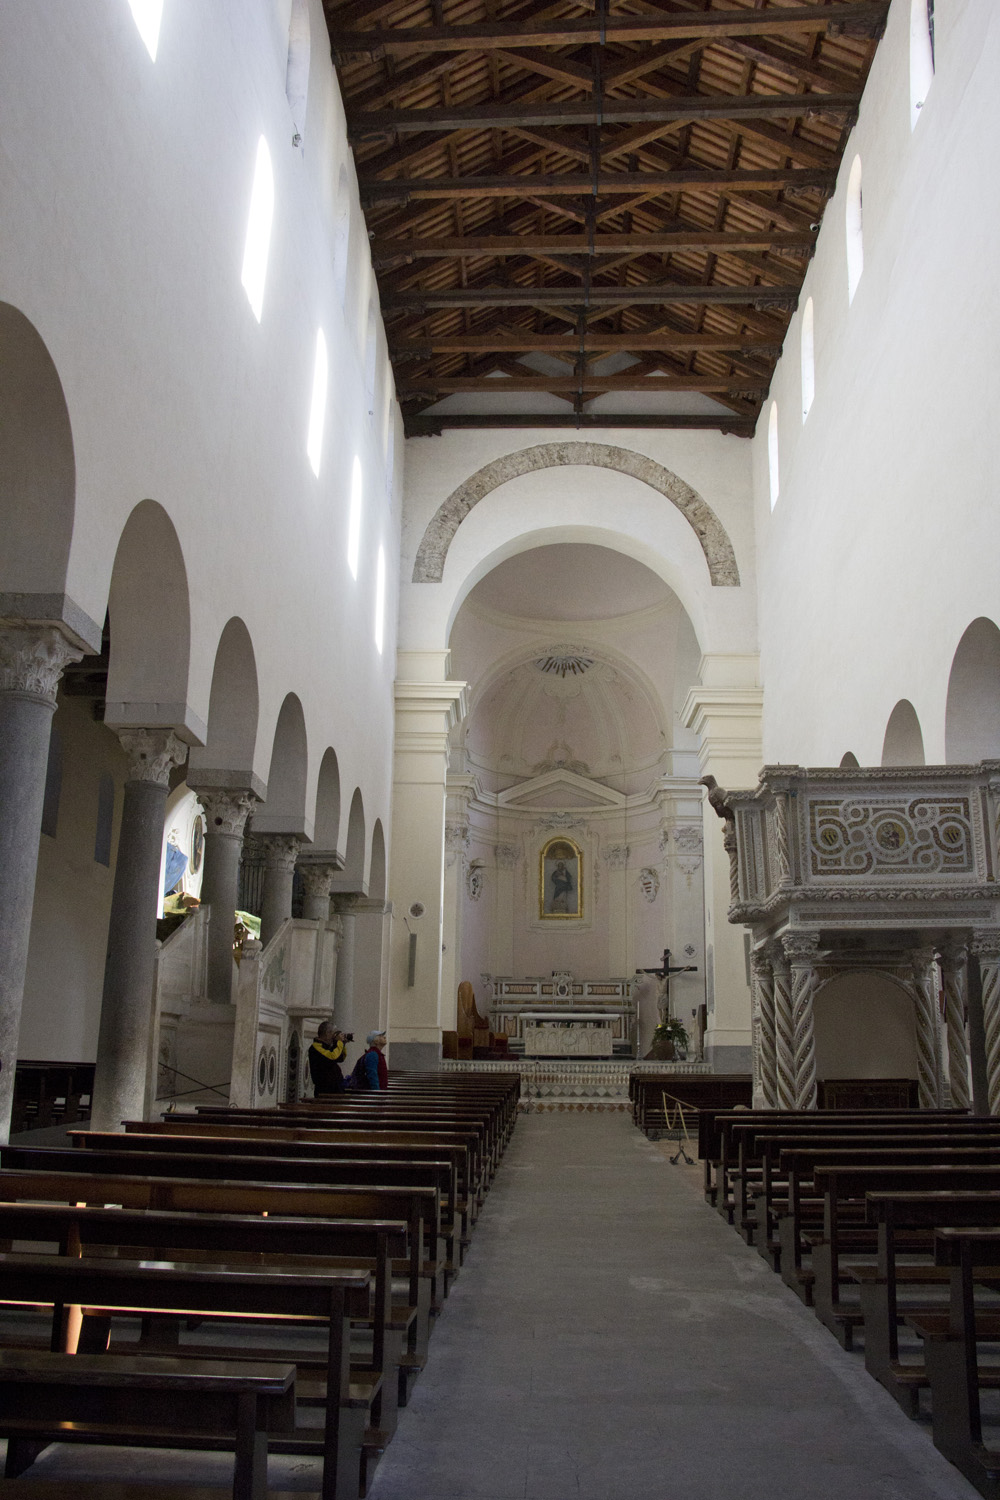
{"x":562,"y":1016}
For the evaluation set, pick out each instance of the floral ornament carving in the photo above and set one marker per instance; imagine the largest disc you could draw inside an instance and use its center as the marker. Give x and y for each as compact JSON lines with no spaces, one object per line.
{"x":152,"y":754}
{"x":226,"y":811}
{"x":687,"y":838}
{"x":474,"y":879}
{"x":280,"y":850}
{"x":32,"y":660}
{"x":617,"y":856}
{"x":507,"y":856}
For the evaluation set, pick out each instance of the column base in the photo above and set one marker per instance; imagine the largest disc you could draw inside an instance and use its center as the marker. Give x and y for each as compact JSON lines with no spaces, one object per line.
{"x":415,"y":1057}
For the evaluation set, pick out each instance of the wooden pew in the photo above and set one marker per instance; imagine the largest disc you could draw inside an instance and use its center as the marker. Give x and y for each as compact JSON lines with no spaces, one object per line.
{"x":885,"y":1285}
{"x":952,"y":1344}
{"x":320,"y":1295}
{"x":142,"y":1401}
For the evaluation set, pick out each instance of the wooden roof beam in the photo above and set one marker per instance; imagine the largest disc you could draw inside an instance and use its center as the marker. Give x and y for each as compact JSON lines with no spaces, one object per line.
{"x":583,"y":244}
{"x":858,"y":17}
{"x":376,"y":190}
{"x":432,"y":425}
{"x":562,"y":385}
{"x":657,"y":293}
{"x":524,"y":341}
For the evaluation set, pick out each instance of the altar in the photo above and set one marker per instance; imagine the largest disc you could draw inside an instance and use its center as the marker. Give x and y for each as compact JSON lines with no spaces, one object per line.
{"x":562,"y":1016}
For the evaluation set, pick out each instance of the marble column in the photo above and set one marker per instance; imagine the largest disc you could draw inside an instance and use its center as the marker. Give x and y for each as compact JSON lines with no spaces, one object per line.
{"x":616,"y":858}
{"x":925,"y":1001}
{"x":317,"y":878}
{"x":953,"y":974}
{"x":765,"y":1048}
{"x":506,"y":857}
{"x":32,"y":659}
{"x":343,"y":995}
{"x":226,"y":813}
{"x":127,"y":1007}
{"x":986,"y":947}
{"x":801,"y":949}
{"x":456,"y":853}
{"x":784,"y":1030}
{"x":281,"y":852}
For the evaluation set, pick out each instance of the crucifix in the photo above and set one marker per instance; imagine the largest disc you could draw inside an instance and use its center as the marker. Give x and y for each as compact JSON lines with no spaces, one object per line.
{"x":663,"y":974}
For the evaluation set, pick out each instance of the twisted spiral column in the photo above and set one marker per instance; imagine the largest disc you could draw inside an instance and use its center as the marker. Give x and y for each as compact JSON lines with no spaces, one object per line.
{"x":953,"y":975}
{"x":784,"y":1031}
{"x":986,"y":947}
{"x":801,"y":949}
{"x":925,"y":998}
{"x":764,"y":1035}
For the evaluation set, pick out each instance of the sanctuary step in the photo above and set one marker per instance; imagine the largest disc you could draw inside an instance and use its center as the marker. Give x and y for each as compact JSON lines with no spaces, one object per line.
{"x":597,"y":1085}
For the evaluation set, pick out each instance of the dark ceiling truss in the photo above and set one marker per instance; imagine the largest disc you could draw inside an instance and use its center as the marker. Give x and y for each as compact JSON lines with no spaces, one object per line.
{"x":573,"y":199}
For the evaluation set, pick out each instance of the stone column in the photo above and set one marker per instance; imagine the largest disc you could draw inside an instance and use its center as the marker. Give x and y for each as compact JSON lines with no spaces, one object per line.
{"x":953,"y":974}
{"x":427,"y":708}
{"x":343,"y":994}
{"x":127,"y":1007}
{"x":226,"y":813}
{"x":507,"y":857}
{"x":371,"y":925}
{"x":616,"y":858}
{"x":986,"y":947}
{"x":765,"y":1049}
{"x":281,"y":852}
{"x":784,"y":1030}
{"x":925,"y":1003}
{"x":32,"y":659}
{"x":317,"y":878}
{"x":725,"y":711}
{"x":801,"y":949}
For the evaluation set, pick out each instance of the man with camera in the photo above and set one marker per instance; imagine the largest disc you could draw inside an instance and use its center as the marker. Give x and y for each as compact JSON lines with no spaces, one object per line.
{"x":325,"y":1057}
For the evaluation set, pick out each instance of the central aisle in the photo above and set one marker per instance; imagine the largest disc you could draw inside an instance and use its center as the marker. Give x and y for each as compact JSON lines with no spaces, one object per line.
{"x":610,"y":1338}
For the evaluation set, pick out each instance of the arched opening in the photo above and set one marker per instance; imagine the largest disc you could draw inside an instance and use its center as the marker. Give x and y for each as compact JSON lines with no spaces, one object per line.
{"x":904,"y":743}
{"x":352,"y":877}
{"x":326,"y":834}
{"x":150,"y":623}
{"x":37,"y":467}
{"x":371,"y":359}
{"x":849,"y":761}
{"x":773,"y":476}
{"x":233,"y":706}
{"x":972,"y":715}
{"x":921,"y":55}
{"x":297,"y":67}
{"x":865,"y":1028}
{"x":854,"y":229}
{"x":258,"y":240}
{"x":376,"y":876}
{"x":807,"y":359}
{"x":285,"y":808}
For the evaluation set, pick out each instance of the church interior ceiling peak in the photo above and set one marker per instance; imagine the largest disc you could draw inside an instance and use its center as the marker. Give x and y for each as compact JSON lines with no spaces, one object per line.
{"x":595,"y":212}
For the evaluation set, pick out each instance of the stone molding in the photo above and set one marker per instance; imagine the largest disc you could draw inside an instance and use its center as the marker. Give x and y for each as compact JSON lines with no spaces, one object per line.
{"x":429,"y":563}
{"x":226,"y":812}
{"x":616,"y":856}
{"x":507,"y":856}
{"x":152,"y":754}
{"x":32,"y":660}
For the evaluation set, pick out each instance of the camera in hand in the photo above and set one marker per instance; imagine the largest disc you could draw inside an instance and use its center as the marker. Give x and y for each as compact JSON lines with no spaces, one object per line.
{"x":348,"y":1036}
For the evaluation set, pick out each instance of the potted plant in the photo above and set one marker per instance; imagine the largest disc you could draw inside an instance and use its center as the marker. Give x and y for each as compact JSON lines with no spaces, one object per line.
{"x":667,"y":1038}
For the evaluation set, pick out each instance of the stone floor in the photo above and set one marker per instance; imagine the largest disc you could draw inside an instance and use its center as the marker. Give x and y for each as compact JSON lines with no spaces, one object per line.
{"x":610,"y":1338}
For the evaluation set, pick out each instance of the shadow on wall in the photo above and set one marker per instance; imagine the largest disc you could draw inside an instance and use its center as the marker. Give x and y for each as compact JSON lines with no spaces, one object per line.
{"x":865,"y":1028}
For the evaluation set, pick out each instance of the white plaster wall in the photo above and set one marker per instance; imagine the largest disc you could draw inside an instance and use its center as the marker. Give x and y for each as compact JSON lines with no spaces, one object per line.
{"x":883,"y":546}
{"x":126,"y":186}
{"x":582,"y":504}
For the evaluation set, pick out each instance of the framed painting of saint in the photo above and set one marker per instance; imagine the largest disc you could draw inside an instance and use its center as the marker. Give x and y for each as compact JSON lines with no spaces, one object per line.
{"x":560,"y":880}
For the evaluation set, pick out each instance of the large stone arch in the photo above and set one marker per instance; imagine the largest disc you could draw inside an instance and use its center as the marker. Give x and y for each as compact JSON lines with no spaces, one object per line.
{"x":429,"y":563}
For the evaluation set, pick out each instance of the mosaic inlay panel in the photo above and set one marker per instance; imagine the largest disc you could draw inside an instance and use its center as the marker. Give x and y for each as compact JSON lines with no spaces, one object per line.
{"x":891,"y":836}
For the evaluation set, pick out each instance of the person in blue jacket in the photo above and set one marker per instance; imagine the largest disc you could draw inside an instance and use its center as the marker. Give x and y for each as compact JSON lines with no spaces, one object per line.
{"x":371,"y":1070}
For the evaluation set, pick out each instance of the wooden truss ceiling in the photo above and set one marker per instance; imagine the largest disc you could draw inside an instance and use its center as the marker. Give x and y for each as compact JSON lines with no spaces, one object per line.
{"x":586,"y":196}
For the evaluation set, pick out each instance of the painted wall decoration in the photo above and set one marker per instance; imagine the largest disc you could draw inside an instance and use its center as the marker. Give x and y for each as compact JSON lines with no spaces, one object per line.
{"x":560,"y":880}
{"x":649,"y":882}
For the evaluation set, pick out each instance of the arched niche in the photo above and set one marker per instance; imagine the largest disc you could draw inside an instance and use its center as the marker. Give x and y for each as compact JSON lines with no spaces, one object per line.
{"x":233,"y":707}
{"x":904,"y":742}
{"x":326,"y":834}
{"x":377,"y":869}
{"x":429,"y":563}
{"x":865,"y":1027}
{"x":37,"y":466}
{"x":850,"y":761}
{"x":972,"y":715}
{"x":285,"y":808}
{"x":352,"y":876}
{"x":150,"y":617}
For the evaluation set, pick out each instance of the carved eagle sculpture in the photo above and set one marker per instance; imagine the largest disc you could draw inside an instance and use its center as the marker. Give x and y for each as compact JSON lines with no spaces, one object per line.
{"x":718,"y":798}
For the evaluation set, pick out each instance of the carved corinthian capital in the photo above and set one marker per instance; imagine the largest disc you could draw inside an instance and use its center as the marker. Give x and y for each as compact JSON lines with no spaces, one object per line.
{"x":317,"y":879}
{"x":32,"y":660}
{"x":152,"y":754}
{"x":280,"y":850}
{"x":226,"y":811}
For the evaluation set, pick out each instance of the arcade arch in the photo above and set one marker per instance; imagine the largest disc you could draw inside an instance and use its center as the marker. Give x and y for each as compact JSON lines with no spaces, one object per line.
{"x":972,"y":714}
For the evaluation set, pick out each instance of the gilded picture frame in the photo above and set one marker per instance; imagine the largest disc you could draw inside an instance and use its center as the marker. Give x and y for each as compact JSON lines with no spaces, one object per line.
{"x":560,"y":880}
